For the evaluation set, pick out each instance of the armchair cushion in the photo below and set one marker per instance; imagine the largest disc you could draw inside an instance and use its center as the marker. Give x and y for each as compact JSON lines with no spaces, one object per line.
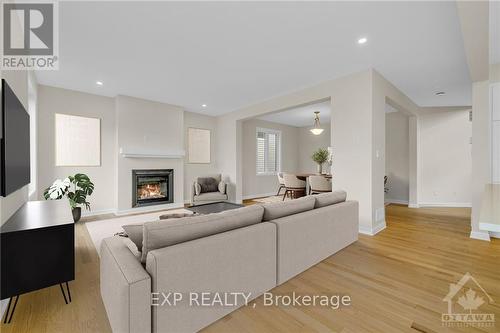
{"x":222,"y":187}
{"x":208,"y":184}
{"x":211,"y":196}
{"x":197,"y":189}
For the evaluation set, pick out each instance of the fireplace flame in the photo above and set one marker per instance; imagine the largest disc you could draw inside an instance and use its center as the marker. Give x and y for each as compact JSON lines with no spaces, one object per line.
{"x":150,"y":191}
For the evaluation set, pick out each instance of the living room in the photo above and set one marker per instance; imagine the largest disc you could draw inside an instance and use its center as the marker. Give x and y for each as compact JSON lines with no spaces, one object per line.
{"x":182,"y":179}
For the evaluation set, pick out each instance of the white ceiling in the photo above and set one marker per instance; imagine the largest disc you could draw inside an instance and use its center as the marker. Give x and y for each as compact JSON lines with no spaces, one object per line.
{"x":232,"y":54}
{"x":301,"y":116}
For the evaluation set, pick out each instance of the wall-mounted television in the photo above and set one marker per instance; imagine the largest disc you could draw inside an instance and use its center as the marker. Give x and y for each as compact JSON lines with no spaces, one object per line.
{"x":15,"y":143}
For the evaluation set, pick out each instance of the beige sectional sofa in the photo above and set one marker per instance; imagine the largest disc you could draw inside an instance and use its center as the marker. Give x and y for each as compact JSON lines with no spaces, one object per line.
{"x":248,"y":250}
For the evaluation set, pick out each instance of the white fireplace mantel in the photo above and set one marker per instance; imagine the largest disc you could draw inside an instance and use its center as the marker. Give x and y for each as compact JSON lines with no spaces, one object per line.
{"x":143,"y":153}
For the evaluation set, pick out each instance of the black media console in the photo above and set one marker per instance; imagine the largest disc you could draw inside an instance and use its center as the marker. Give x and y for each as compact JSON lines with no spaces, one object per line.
{"x":37,"y":250}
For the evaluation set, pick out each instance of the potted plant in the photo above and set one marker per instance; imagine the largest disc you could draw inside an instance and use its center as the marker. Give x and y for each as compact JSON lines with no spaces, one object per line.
{"x":76,"y":188}
{"x":320,"y":156}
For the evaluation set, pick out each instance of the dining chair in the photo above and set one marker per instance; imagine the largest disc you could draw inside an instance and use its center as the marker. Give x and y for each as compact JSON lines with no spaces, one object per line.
{"x":293,"y":186}
{"x":319,"y":184}
{"x":281,"y":181}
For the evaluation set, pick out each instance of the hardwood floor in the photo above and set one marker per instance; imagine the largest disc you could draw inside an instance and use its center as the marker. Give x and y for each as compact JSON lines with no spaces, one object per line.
{"x":397,"y":281}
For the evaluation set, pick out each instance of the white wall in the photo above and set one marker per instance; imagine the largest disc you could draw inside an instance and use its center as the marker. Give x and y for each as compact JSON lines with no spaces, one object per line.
{"x":126,"y":122}
{"x":397,"y":157}
{"x":260,"y":185}
{"x":194,"y":170}
{"x":53,"y":100}
{"x":144,"y":127}
{"x":481,"y":148}
{"x":445,"y":158}
{"x":308,"y":144}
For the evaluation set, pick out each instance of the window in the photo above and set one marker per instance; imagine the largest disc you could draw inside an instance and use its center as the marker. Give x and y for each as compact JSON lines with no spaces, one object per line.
{"x":268,"y":144}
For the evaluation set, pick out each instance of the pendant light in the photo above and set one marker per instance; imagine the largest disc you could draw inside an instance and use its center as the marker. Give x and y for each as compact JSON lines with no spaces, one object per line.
{"x":316,"y":129}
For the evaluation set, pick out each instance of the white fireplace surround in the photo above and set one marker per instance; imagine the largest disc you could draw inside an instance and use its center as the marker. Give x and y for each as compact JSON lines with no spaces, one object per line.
{"x":141,"y":153}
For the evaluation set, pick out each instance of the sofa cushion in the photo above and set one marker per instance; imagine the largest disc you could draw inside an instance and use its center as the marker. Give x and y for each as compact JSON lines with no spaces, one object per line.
{"x":212,"y":196}
{"x":170,"y":232}
{"x":276,"y":210}
{"x":134,"y":230}
{"x":331,"y":198}
{"x":208,"y":185}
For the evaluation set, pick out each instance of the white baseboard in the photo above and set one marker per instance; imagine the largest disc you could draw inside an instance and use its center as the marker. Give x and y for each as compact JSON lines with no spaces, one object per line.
{"x":445,"y":204}
{"x":494,"y":234}
{"x":489,"y":227}
{"x":86,"y":213}
{"x":254,"y":196}
{"x":372,"y":231}
{"x":481,"y":235}
{"x":149,"y":208}
{"x":413,"y":205}
{"x":397,"y":201}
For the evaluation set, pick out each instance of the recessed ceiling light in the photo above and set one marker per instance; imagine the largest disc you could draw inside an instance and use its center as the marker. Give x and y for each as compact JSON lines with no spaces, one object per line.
{"x":362,"y":40}
{"x":440,"y":93}
{"x":99,"y":83}
{"x":203,"y":105}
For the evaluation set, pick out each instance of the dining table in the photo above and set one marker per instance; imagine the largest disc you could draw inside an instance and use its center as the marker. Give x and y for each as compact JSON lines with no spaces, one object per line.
{"x":304,"y":176}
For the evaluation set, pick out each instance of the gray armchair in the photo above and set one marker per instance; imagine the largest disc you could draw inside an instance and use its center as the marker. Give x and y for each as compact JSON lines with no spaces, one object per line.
{"x":208,"y":189}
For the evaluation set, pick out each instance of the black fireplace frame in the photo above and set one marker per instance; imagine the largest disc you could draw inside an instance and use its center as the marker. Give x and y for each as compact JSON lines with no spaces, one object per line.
{"x":169,"y":173}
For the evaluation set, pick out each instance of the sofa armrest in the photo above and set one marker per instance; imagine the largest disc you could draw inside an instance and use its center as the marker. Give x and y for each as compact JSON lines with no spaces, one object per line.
{"x":125,"y":288}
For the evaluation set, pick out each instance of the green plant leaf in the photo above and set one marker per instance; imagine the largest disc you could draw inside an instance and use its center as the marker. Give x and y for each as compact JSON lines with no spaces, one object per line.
{"x":320,"y":156}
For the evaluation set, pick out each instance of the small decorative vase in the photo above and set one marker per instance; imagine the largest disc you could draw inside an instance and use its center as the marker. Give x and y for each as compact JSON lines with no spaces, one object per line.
{"x":320,"y":169}
{"x":77,"y":213}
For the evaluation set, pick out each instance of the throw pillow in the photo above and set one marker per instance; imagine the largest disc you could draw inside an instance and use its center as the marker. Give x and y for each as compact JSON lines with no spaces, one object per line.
{"x":197,"y":188}
{"x":208,"y":185}
{"x":222,"y":187}
{"x":134,"y":232}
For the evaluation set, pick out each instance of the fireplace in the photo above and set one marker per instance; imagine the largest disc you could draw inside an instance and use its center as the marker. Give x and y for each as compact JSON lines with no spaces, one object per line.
{"x":152,"y":187}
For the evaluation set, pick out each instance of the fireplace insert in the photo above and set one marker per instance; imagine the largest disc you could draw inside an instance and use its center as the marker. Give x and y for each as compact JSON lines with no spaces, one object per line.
{"x":152,"y":187}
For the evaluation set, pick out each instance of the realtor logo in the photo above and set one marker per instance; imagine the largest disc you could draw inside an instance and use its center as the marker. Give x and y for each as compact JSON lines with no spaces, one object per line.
{"x":469,"y":300}
{"x":29,"y":36}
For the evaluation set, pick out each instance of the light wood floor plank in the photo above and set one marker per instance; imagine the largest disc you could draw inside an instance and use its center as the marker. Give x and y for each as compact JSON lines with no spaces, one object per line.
{"x":396,"y":279}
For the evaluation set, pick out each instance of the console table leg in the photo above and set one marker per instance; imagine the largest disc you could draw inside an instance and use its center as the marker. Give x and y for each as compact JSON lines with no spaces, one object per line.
{"x":69,"y":293}
{"x":8,"y":318}
{"x":7,"y":311}
{"x":13,"y":309}
{"x":64,"y":295}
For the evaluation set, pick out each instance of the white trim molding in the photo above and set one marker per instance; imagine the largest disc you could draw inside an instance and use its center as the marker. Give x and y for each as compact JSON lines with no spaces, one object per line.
{"x":413,"y":205}
{"x":396,"y":201}
{"x":152,"y":154}
{"x":480,"y":235}
{"x":489,"y":227}
{"x":149,"y":208}
{"x":445,"y":204}
{"x":87,"y":213}
{"x":255,"y":196}
{"x":494,"y":234}
{"x":373,"y":230}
